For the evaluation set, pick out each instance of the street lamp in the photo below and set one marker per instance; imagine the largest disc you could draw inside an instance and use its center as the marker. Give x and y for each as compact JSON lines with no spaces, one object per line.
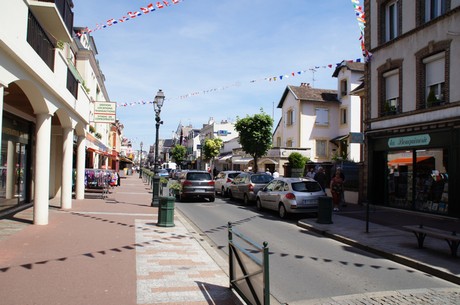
{"x":157,"y":104}
{"x":140,"y":161}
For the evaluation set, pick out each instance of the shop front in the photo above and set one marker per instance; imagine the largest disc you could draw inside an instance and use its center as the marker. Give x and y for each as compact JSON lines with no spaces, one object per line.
{"x":416,"y":171}
{"x":16,"y":159}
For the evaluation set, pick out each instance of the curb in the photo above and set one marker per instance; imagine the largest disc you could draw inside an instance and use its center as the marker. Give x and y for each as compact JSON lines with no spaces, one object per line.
{"x":391,"y":256}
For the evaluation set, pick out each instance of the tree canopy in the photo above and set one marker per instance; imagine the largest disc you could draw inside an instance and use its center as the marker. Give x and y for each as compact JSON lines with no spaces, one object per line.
{"x":212,"y":147}
{"x":178,"y":153}
{"x":255,"y":135}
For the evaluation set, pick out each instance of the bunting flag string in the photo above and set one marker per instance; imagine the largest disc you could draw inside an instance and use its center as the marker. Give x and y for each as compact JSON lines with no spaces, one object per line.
{"x":270,"y":79}
{"x":361,"y":18}
{"x":130,"y":16}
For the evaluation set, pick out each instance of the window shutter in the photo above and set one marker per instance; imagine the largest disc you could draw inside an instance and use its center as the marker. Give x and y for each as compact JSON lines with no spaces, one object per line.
{"x":435,"y":72}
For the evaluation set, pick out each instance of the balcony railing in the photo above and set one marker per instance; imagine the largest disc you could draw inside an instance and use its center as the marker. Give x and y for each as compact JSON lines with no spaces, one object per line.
{"x":40,"y":42}
{"x":65,"y":10}
{"x":72,"y":83}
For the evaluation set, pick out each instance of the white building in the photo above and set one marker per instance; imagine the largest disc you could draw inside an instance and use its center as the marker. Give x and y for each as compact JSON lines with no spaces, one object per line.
{"x":44,"y":105}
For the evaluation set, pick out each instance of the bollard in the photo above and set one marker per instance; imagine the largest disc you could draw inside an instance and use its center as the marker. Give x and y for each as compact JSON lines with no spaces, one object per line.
{"x":166,"y":212}
{"x":324,"y":210}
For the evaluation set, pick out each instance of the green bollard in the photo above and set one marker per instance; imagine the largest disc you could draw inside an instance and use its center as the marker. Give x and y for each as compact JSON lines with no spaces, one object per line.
{"x":166,"y":212}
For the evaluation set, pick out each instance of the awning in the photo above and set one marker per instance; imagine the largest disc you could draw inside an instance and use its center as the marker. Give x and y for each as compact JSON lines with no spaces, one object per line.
{"x":267,"y":160}
{"x":407,"y":161}
{"x":239,"y":160}
{"x":124,"y":159}
{"x":224,"y":157}
{"x":339,"y":138}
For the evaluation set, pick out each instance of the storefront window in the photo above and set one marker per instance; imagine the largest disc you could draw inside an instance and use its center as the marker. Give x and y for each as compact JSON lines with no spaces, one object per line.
{"x":418,"y":179}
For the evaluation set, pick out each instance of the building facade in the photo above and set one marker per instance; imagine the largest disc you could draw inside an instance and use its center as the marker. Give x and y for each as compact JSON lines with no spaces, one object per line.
{"x":45,"y":106}
{"x":412,"y":123}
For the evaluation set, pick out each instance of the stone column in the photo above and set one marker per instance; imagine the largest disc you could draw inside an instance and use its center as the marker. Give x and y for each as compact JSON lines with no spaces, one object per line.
{"x":42,"y":169}
{"x":81,"y":157}
{"x":67,"y":155}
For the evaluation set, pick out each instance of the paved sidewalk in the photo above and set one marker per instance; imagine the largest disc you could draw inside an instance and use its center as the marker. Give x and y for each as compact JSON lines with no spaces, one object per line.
{"x":109,"y":251}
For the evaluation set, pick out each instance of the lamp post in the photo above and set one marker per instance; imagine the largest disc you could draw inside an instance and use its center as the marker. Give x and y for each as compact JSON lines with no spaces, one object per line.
{"x":157,"y":104}
{"x":140,"y":161}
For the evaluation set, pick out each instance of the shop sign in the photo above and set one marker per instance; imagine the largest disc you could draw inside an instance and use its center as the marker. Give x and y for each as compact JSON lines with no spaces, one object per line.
{"x":105,"y":112}
{"x":409,"y":141}
{"x":357,"y":137}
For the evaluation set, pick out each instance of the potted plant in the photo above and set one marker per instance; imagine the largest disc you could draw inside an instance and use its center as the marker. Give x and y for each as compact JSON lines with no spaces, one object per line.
{"x":297,"y":162}
{"x":175,"y":188}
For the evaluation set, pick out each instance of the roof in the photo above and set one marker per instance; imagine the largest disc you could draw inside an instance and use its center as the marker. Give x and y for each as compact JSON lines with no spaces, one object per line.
{"x":351,"y":65}
{"x":307,"y":93}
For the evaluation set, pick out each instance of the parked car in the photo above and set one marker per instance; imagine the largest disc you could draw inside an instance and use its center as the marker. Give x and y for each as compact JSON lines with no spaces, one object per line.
{"x":290,"y":195}
{"x":246,"y":185}
{"x":163,"y":173}
{"x":196,"y":184}
{"x":223,"y":181}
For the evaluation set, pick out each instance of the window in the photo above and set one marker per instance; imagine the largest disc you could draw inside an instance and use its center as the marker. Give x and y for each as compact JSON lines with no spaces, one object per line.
{"x":391,"y":21}
{"x":322,"y":116}
{"x":343,"y":87}
{"x":321,"y":148}
{"x":343,"y":116}
{"x":391,"y":82}
{"x":435,"y":79}
{"x":289,"y":143}
{"x":278,"y":141}
{"x":434,"y":9}
{"x":290,"y":117}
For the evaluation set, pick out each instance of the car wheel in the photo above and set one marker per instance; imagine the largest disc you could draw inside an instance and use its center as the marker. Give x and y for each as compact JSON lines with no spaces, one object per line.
{"x":230,"y":194}
{"x":212,"y":199}
{"x":282,"y":211}
{"x":246,"y":199}
{"x":259,"y":204}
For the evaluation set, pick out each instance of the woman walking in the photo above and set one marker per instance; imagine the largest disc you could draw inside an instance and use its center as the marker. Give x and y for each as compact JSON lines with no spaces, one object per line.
{"x":336,"y":190}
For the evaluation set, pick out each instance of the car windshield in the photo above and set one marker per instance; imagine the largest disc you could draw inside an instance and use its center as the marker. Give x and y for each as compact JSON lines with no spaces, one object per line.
{"x":233,"y":175}
{"x":261,"y":179}
{"x":198,"y":176}
{"x":306,"y":186}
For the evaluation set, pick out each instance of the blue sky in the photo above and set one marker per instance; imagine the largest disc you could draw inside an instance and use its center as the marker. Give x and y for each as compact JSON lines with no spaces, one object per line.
{"x":218,"y":45}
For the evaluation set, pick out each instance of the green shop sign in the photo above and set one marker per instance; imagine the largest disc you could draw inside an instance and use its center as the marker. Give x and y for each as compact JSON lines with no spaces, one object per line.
{"x":409,"y":141}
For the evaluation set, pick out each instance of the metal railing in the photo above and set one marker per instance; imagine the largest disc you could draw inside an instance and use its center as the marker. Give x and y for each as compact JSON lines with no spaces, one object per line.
{"x":249,"y":274}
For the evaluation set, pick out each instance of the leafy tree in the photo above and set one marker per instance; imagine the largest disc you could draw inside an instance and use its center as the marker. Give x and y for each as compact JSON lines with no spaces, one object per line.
{"x":297,"y":160}
{"x":211,"y":148}
{"x":255,"y":135}
{"x":178,"y":153}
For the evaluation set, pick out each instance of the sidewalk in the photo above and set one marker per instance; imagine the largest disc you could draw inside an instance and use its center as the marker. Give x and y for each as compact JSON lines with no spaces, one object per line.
{"x":109,"y":252}
{"x":386,"y":237}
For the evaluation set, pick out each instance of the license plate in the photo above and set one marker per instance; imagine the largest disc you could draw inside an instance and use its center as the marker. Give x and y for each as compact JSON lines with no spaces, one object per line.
{"x":199,"y":191}
{"x":310,"y":201}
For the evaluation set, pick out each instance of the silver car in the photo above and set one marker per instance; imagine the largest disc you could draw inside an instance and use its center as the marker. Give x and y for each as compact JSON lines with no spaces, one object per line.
{"x":223,"y":181}
{"x":290,"y":195}
{"x":246,"y":185}
{"x":196,"y":184}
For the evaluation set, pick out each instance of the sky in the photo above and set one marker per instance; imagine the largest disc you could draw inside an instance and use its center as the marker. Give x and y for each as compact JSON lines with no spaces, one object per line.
{"x":214,"y":58}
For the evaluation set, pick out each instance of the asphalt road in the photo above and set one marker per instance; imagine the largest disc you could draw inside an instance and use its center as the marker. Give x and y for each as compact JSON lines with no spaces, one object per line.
{"x":304,"y":265}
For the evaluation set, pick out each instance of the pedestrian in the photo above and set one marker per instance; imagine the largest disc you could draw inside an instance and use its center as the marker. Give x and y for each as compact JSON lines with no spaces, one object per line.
{"x":311,"y":173}
{"x":214,"y":172}
{"x":267,"y":171}
{"x":336,"y":190}
{"x":320,"y":177}
{"x":342,"y":199}
{"x":276,"y":174}
{"x":118,"y":179}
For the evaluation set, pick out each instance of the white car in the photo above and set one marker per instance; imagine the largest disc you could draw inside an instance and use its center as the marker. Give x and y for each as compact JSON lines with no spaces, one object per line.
{"x":290,"y":195}
{"x":223,"y":180}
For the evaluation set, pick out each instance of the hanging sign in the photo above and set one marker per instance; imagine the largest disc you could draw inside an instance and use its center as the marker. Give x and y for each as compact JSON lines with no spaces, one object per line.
{"x":105,"y":112}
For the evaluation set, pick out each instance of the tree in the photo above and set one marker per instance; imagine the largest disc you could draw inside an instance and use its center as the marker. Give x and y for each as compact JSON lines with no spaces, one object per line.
{"x":255,"y":135}
{"x":178,"y":153}
{"x":211,"y":148}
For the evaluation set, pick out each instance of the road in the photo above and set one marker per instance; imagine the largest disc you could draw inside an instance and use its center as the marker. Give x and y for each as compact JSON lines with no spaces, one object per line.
{"x":304,"y":265}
